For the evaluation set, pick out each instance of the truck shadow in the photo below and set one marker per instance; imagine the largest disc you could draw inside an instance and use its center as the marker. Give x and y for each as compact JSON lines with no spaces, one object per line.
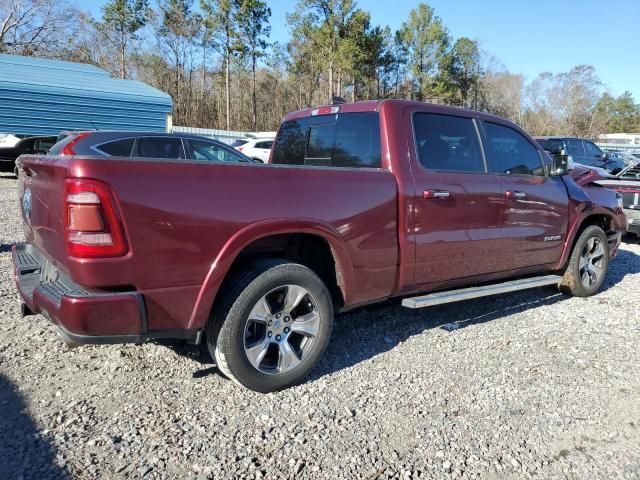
{"x":24,"y":453}
{"x":362,"y":334}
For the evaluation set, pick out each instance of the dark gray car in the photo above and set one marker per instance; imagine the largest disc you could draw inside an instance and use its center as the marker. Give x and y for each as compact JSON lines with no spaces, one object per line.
{"x":581,"y":151}
{"x":147,"y":144}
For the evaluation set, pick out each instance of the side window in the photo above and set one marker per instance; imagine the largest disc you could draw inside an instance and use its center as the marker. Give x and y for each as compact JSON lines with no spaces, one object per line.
{"x":510,"y":153}
{"x":119,"y":148}
{"x":211,"y":152}
{"x":160,"y":147}
{"x":446,"y":142}
{"x":591,"y":150}
{"x":264,"y":145}
{"x":575,"y":148}
{"x":350,"y":140}
{"x":291,"y":142}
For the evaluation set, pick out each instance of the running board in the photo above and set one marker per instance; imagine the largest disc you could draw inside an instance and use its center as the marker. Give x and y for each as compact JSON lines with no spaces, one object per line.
{"x":476,"y":292}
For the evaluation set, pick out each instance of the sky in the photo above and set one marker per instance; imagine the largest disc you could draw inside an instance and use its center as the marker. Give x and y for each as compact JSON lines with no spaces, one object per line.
{"x":527,"y":36}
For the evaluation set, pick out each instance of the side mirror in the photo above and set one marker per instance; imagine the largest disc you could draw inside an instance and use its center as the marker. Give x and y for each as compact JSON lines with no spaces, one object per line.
{"x":560,"y":164}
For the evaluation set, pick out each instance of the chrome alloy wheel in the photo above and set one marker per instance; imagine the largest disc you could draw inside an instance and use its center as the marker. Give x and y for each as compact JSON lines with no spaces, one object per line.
{"x":592,"y":262}
{"x":281,"y":329}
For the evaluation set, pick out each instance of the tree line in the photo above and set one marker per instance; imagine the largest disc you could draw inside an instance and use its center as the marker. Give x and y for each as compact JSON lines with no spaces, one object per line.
{"x":217,"y":61}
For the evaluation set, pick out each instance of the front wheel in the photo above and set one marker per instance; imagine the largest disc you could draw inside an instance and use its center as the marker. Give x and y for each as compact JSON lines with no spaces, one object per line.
{"x":272,"y":327}
{"x":588,"y":263}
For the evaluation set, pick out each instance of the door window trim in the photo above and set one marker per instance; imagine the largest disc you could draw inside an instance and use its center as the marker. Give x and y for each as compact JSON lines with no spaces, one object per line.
{"x":433,"y":170}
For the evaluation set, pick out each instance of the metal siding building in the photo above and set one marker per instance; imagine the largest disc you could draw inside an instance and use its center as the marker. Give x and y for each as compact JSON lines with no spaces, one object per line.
{"x":41,"y":96}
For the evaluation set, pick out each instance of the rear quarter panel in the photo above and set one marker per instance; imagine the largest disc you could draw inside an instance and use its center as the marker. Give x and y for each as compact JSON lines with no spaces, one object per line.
{"x":186,"y":222}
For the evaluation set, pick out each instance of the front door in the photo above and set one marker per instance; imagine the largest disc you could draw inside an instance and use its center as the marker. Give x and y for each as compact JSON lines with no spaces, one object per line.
{"x":457,"y":205}
{"x":535,"y":205}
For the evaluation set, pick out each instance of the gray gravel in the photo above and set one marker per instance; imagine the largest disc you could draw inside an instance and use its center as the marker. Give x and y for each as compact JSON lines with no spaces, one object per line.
{"x":530,"y":384}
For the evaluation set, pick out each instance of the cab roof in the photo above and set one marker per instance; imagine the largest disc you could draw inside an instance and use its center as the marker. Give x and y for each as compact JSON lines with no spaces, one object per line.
{"x":377,"y":105}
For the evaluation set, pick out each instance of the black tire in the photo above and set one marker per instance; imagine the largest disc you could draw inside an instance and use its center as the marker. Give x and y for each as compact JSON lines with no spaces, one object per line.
{"x":226,"y":327}
{"x":573,"y":281}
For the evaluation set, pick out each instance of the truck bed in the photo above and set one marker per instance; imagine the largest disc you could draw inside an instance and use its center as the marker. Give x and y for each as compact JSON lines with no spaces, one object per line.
{"x":192,"y":211}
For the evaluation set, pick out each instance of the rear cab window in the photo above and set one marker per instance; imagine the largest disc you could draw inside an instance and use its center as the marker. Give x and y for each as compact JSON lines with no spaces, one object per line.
{"x":344,"y":140}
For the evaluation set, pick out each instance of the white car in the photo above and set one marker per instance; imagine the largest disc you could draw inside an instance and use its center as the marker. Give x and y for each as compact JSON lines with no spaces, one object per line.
{"x":258,"y":148}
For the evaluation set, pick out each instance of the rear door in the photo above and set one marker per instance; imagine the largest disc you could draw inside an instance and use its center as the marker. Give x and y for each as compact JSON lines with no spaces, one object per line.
{"x":457,"y":204}
{"x":535,"y":206}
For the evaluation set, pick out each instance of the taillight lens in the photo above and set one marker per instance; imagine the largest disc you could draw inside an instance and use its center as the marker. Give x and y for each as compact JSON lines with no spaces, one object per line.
{"x":68,"y":149}
{"x":92,"y":224}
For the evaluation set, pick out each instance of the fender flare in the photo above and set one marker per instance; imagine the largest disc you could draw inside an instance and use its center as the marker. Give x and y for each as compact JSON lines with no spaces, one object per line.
{"x":265,"y":228}
{"x":580,"y":217}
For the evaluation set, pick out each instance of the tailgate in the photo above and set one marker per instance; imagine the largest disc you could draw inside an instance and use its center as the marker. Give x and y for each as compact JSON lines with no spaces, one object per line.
{"x":41,"y":183}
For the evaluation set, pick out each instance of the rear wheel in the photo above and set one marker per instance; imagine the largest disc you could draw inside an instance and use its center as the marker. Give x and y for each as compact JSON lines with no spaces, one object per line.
{"x":588,"y":263}
{"x":273,"y":326}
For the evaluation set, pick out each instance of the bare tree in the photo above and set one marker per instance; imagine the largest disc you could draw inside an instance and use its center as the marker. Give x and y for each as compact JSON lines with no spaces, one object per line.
{"x":33,"y":27}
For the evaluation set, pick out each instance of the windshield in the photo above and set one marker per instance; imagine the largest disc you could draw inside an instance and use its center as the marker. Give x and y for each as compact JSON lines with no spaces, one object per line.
{"x":627,"y":158}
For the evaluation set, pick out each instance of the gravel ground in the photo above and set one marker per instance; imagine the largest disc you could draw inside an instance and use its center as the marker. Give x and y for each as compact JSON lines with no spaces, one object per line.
{"x":530,"y":385}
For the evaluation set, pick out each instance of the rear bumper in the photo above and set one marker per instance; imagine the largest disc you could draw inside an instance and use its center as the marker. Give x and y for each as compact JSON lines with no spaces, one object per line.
{"x":82,"y":316}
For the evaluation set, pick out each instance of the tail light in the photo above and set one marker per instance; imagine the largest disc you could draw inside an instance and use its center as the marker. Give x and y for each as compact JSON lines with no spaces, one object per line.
{"x":68,"y":148}
{"x":240,"y":149}
{"x":92,"y":224}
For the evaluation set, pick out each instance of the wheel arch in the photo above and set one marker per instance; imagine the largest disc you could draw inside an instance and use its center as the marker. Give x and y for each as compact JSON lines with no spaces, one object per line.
{"x":593,"y":216}
{"x":252,"y":242}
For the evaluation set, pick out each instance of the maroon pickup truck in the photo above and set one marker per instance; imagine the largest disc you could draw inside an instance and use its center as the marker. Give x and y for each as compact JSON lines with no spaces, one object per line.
{"x":360,"y":203}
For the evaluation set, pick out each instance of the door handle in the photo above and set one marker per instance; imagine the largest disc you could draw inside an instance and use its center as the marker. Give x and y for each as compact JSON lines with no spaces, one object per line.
{"x":513,"y":194}
{"x":429,"y":194}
